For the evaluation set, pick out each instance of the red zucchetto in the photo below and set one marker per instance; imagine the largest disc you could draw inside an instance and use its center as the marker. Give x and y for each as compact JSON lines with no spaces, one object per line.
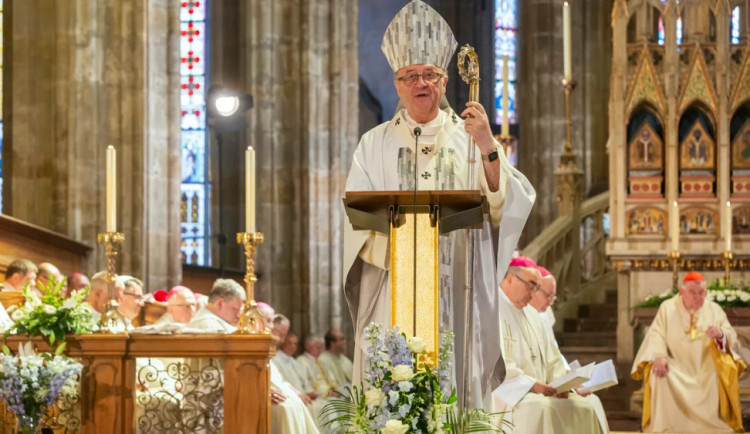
{"x":545,"y":272}
{"x":694,"y":276}
{"x":523,"y":261}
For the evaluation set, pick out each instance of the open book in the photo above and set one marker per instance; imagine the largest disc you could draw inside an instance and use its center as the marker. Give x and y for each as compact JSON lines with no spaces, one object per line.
{"x":573,"y":378}
{"x":604,"y":376}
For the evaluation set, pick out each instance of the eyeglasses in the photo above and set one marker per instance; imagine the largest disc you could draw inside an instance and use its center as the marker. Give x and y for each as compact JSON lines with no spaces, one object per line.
{"x":548,"y":295}
{"x":191,"y":306}
{"x":135,"y":296}
{"x":531,"y":286}
{"x":428,"y":77}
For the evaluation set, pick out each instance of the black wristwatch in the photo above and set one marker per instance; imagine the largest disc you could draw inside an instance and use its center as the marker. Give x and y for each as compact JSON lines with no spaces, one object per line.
{"x":492,"y":156}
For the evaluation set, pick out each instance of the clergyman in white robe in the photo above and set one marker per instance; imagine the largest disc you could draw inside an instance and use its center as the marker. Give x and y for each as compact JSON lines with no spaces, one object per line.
{"x":531,"y":357}
{"x":292,"y":415}
{"x":700,"y":368}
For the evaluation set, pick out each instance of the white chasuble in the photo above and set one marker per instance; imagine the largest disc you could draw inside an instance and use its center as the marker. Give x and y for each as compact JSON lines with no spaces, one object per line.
{"x":530,"y":355}
{"x":382,"y":163}
{"x":688,"y":399}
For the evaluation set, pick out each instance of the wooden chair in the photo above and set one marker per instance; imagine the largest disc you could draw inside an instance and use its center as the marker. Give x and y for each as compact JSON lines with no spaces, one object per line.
{"x":151,"y":312}
{"x":11,"y":298}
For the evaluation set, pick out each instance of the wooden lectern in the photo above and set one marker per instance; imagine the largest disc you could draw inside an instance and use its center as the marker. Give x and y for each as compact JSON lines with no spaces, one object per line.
{"x":414,"y":308}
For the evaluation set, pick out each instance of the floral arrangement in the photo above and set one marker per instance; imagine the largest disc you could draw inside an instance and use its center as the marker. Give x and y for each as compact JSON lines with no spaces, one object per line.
{"x":52,"y":315}
{"x":726,"y":296}
{"x":30,"y":383}
{"x":404,"y":393}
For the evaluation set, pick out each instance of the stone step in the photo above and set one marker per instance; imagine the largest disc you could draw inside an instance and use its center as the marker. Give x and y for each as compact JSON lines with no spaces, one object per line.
{"x":586,"y":355}
{"x":610,"y":296}
{"x":626,"y":421}
{"x":593,"y":339}
{"x":597,"y":311}
{"x":597,"y":325}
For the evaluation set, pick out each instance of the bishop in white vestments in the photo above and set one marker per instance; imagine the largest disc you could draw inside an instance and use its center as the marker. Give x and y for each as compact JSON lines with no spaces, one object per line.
{"x":532,"y":361}
{"x":419,"y":46}
{"x":689,"y":365}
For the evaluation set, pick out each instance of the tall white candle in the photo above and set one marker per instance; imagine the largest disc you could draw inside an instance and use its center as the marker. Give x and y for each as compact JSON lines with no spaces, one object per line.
{"x":250,"y":189}
{"x":675,"y":227}
{"x":505,"y":129}
{"x":567,"y":65}
{"x":728,"y":226}
{"x":111,"y":189}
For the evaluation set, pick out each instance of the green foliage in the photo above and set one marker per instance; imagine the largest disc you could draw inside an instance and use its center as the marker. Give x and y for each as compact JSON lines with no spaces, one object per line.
{"x":52,"y":315}
{"x":725,"y":295}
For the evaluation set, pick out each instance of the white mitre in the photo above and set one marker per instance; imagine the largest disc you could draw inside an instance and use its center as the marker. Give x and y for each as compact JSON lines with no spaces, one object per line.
{"x":418,"y":35}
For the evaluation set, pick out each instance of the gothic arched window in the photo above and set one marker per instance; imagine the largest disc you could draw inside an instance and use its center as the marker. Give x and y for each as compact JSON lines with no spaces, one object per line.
{"x":505,"y":44}
{"x":194,"y":191}
{"x":734,"y":26}
{"x":660,"y":29}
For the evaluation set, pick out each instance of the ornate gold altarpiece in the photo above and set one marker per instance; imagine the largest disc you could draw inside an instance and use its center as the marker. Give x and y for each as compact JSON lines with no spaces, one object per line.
{"x":415,"y":312}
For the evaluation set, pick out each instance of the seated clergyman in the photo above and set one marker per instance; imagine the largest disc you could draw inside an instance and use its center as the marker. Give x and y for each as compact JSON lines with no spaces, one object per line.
{"x":289,"y":413}
{"x":130,"y":299}
{"x":532,"y":361}
{"x":18,"y":273}
{"x":222,"y":313}
{"x":336,"y":366}
{"x":180,"y":307}
{"x":99,"y":293}
{"x":689,"y":365}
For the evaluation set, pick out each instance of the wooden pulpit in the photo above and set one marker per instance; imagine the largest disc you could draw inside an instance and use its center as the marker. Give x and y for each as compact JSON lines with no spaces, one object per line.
{"x":414,"y":308}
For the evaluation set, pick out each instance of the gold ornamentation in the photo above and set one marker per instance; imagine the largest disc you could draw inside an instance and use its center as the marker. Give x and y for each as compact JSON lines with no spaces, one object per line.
{"x":726,"y":258}
{"x":698,"y":220}
{"x":697,"y":149}
{"x":179,"y":397}
{"x":646,"y":149}
{"x":741,"y":148}
{"x":645,"y":87}
{"x":568,"y":158}
{"x":251,"y":320}
{"x":112,"y":322}
{"x":699,"y":263}
{"x":646,"y":221}
{"x":742,"y":85}
{"x":698,"y":87}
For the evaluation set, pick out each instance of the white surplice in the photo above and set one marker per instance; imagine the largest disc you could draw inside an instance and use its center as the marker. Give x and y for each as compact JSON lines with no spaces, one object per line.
{"x":337,"y":368}
{"x":291,"y":416}
{"x":384,"y":161}
{"x":207,"y":320}
{"x":687,"y":398}
{"x":530,"y":355}
{"x":311,"y":370}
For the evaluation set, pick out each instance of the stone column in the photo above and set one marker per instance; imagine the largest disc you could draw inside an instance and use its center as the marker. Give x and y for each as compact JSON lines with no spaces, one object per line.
{"x":541,"y":99}
{"x":86,"y":75}
{"x":299,"y":62}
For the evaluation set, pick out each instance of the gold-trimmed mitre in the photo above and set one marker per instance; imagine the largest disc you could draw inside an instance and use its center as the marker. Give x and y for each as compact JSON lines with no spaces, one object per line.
{"x":417,"y":35}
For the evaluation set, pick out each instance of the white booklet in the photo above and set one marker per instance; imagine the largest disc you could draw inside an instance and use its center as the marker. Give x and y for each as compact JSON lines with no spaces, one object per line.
{"x":604,"y":376}
{"x":575,"y":364}
{"x":573,"y":379}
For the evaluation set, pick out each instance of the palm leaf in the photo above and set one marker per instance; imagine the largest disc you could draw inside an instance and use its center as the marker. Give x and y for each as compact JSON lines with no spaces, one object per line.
{"x":474,"y":420}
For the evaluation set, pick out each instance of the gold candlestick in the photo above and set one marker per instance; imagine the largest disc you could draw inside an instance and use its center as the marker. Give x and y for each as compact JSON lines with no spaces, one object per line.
{"x":568,"y":158}
{"x":112,"y":322}
{"x":674,"y":257}
{"x":726,"y":257}
{"x":251,"y":320}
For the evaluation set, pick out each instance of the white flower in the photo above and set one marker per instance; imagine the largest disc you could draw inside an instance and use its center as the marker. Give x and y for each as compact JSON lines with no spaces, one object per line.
{"x":402,"y":373}
{"x":374,"y":397}
{"x":69,"y":303}
{"x":49,"y":309}
{"x":732,"y":298}
{"x":17,"y":315}
{"x":394,"y":427}
{"x":720,"y":296}
{"x":416,"y":345}
{"x":11,"y":309}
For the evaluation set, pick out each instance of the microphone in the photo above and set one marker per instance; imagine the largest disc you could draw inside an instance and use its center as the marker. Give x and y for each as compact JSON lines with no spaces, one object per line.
{"x":417,"y":133}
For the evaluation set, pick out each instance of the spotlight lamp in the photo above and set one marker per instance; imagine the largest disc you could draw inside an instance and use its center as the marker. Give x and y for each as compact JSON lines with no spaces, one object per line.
{"x":226,"y":108}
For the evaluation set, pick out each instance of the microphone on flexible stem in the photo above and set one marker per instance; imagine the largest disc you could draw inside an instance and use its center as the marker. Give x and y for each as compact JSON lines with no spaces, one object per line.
{"x":417,"y":133}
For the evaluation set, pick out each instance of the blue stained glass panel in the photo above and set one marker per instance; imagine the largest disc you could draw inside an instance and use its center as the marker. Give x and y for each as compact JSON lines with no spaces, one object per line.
{"x":735,"y":26}
{"x":506,"y":14}
{"x":194,"y":191}
{"x":499,"y":68}
{"x":506,"y":43}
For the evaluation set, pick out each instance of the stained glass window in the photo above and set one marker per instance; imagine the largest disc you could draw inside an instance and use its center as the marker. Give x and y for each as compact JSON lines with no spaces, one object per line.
{"x":195,"y":188}
{"x":660,"y":29}
{"x":505,"y":44}
{"x":734,"y":34}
